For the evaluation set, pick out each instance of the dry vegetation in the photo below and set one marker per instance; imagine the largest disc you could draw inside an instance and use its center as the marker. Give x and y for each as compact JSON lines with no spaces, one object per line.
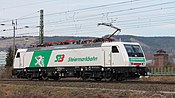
{"x":81,"y":90}
{"x":25,"y":91}
{"x":6,"y":73}
{"x":159,"y":78}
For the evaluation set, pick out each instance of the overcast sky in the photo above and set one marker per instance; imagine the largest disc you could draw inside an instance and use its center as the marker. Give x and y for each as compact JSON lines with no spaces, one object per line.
{"x":80,"y":17}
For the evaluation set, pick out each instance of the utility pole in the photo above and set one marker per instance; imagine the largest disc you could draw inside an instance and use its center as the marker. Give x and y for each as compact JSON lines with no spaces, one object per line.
{"x":14,"y":30}
{"x":41,"y":32}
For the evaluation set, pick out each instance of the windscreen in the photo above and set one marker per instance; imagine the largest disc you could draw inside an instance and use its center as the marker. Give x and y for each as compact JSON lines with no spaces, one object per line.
{"x":134,"y":50}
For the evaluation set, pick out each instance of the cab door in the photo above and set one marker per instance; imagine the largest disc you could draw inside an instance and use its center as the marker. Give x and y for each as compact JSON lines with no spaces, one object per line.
{"x":17,"y":61}
{"x":116,"y":56}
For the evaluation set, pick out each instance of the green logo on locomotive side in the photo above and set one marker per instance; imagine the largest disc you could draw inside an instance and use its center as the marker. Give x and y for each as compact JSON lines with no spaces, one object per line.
{"x":40,"y":58}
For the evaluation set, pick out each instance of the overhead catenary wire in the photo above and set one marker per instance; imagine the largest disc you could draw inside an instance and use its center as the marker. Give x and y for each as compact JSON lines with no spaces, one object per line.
{"x":96,"y":17}
{"x":123,"y":21}
{"x":112,"y":14}
{"x":123,"y":2}
{"x":100,"y":7}
{"x":83,"y":31}
{"x":29,"y":4}
{"x":131,"y":9}
{"x":90,"y":19}
{"x":153,"y":5}
{"x":136,"y":24}
{"x":95,"y":30}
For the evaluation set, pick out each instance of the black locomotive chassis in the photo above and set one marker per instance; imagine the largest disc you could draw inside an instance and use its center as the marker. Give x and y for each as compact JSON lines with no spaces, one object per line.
{"x":98,"y":73}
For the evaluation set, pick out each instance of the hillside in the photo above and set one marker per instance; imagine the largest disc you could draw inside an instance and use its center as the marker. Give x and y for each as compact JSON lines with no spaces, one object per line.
{"x":26,"y":41}
{"x":149,"y":44}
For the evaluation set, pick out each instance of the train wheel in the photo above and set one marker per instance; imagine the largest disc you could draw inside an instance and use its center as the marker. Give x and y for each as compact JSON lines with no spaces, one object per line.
{"x":109,"y":77}
{"x":44,"y":76}
{"x":29,"y":76}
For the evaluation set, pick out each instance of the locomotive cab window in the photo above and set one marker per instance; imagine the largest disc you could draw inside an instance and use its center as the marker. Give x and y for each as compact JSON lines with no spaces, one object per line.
{"x":134,"y":50}
{"x":114,"y":49}
{"x":18,"y":55}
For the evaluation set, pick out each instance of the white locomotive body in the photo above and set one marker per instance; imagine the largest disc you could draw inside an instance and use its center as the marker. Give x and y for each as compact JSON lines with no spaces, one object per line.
{"x":109,"y":60}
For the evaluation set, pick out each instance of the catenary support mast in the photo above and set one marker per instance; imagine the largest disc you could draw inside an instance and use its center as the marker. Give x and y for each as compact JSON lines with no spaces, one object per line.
{"x":41,"y":33}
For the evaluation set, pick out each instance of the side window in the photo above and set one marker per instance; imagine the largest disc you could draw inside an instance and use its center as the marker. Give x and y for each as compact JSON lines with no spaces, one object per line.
{"x":18,"y":55}
{"x":114,"y":49}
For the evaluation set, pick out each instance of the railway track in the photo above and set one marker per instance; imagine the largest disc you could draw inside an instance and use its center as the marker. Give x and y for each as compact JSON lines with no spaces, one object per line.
{"x":134,"y":85}
{"x":74,"y":80}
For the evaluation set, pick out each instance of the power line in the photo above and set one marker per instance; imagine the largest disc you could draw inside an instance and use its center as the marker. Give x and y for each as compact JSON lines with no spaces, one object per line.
{"x":85,"y":31}
{"x":27,"y":15}
{"x":126,"y":11}
{"x":117,"y":13}
{"x":126,"y":25}
{"x":129,"y":9}
{"x":99,"y":7}
{"x":20,"y":28}
{"x":130,"y":1}
{"x":128,"y":21}
{"x":69,"y":10}
{"x":136,"y":23}
{"x":94,"y":7}
{"x":29,"y":4}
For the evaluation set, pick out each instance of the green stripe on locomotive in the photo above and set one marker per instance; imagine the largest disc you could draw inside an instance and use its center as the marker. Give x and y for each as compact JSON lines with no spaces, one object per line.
{"x":137,"y":59}
{"x":40,"y":58}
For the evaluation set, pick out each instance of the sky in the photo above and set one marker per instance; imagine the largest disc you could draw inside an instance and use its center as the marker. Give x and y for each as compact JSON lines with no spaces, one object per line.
{"x":80,"y":17}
